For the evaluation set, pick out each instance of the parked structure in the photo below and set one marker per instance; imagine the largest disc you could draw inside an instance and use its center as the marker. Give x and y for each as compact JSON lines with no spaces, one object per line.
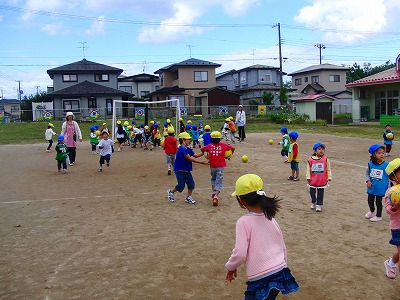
{"x":10,"y":110}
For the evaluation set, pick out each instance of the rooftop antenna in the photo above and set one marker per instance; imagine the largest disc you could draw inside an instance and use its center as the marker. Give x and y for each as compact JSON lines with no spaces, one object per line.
{"x":190,"y":49}
{"x":144,"y":65}
{"x":254,"y":50}
{"x":83,"y":47}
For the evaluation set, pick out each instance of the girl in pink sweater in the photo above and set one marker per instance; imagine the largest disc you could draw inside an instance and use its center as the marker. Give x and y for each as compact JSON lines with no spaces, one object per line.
{"x":259,"y":243}
{"x":393,"y":209}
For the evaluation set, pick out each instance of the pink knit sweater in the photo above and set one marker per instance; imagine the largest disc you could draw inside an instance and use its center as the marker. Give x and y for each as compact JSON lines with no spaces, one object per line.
{"x":259,"y":243}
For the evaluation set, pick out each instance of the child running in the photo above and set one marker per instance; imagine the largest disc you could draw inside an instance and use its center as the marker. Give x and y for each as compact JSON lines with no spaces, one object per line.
{"x":183,"y":168}
{"x":48,"y":135}
{"x":216,"y":156}
{"x":207,"y":135}
{"x":94,"y":139}
{"x":377,"y":182}
{"x":318,"y":175}
{"x":285,"y":143}
{"x":388,"y":137}
{"x":294,"y":156}
{"x":106,"y":148}
{"x":393,"y":209}
{"x":259,"y":243}
{"x":61,"y":156}
{"x":170,"y":145}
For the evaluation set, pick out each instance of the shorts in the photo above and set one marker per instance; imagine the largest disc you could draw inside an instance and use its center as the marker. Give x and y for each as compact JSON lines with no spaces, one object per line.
{"x":395,"y":240}
{"x":121,"y":140}
{"x":294,"y":165}
{"x":105,"y":158}
{"x":170,"y":159}
{"x":284,"y":152}
{"x":184,"y":178}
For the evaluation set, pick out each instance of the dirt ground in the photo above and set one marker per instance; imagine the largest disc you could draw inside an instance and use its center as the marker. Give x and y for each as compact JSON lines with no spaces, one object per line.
{"x":115,"y":235}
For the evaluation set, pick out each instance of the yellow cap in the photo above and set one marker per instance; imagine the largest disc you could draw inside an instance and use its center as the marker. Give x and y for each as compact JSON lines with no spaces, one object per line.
{"x":51,"y":125}
{"x":146,"y":127}
{"x":227,"y":120}
{"x":118,"y":122}
{"x":171,"y":130}
{"x":104,"y":124}
{"x":168,"y":120}
{"x":231,"y":118}
{"x":216,"y":135}
{"x":207,"y":127}
{"x":129,"y":127}
{"x":151,"y":122}
{"x":189,"y":121}
{"x":247,"y":184}
{"x":180,"y":119}
{"x":126,"y":123}
{"x":184,"y":135}
{"x":393,"y":166}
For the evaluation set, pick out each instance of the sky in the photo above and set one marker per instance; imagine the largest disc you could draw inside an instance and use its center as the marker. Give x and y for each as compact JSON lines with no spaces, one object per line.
{"x":145,"y":35}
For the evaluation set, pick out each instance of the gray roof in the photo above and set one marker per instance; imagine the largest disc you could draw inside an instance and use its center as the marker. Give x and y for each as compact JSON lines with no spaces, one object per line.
{"x":259,"y":67}
{"x":315,"y":86}
{"x":319,"y":67}
{"x":139,"y":77}
{"x":88,"y":89}
{"x":188,"y":63}
{"x":83,"y":66}
{"x":10,"y":101}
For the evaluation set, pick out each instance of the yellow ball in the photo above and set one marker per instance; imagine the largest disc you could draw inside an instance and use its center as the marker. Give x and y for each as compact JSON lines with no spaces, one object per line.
{"x":228,"y":153}
{"x":394,"y":195}
{"x":390,"y":136}
{"x":98,"y":132}
{"x":245,"y":159}
{"x":206,"y":154}
{"x":270,"y":142}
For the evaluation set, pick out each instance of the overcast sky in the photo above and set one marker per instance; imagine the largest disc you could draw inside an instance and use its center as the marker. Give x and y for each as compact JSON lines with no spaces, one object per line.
{"x":145,"y":35}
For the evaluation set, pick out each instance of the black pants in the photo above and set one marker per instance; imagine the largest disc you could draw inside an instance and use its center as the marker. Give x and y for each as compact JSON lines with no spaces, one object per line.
{"x":372,"y":199}
{"x":63,"y":163}
{"x":317,"y":197}
{"x":50,"y":144}
{"x":71,"y":154}
{"x":242,"y":134}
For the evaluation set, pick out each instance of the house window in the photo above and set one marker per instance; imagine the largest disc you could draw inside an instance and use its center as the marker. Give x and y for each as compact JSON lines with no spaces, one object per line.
{"x":14,"y":107}
{"x":161,"y":79}
{"x":71,"y":105}
{"x":297,"y":81}
{"x":92,"y":103}
{"x":243,"y":78}
{"x":265,"y":78}
{"x":200,"y":76}
{"x":181,"y":100}
{"x":315,"y":79}
{"x":235,"y":79}
{"x":70,"y":77}
{"x":197,"y":105}
{"x":109,"y":106}
{"x":1,"y":107}
{"x":127,"y":89}
{"x":306,"y":79}
{"x":144,"y":93}
{"x":101,"y":77}
{"x":334,"y":78}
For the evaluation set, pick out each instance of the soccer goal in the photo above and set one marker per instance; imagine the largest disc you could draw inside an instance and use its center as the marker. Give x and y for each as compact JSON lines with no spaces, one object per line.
{"x":114,"y":111}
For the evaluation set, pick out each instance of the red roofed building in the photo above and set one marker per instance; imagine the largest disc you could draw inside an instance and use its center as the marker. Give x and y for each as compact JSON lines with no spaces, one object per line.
{"x":377,"y":95}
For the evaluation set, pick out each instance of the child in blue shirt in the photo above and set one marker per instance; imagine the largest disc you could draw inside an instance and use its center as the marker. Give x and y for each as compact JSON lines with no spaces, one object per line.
{"x":183,"y":168}
{"x":207,"y":135}
{"x":195,"y":136}
{"x":388,"y":137}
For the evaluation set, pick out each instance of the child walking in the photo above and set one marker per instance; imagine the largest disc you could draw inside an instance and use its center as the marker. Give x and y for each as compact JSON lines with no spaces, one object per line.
{"x":106,"y":148}
{"x":388,"y":137}
{"x":207,"y":135}
{"x":377,"y":182}
{"x":318,"y":175}
{"x":216,"y":156}
{"x":61,"y":156}
{"x":260,"y":243}
{"x":183,"y":168}
{"x":391,"y":264}
{"x":285,"y":143}
{"x":294,"y":156}
{"x":48,"y":135}
{"x":94,"y":139}
{"x":170,"y":146}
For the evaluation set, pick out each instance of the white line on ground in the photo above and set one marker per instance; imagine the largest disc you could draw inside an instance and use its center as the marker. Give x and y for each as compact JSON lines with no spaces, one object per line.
{"x":59,"y":199}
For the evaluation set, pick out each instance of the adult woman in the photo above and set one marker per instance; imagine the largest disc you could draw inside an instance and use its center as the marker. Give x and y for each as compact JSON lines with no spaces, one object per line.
{"x":241,"y":121}
{"x":71,"y":132}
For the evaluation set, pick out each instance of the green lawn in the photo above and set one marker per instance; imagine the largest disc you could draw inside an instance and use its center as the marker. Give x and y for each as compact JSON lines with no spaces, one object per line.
{"x":33,"y":132}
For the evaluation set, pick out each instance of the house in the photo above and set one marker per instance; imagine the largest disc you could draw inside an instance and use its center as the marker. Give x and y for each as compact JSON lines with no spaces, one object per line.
{"x":325,"y":79}
{"x":184,"y":81}
{"x":140,"y":85}
{"x":376,"y":97}
{"x":10,"y":110}
{"x":217,"y":96}
{"x":83,"y":87}
{"x":251,"y":82}
{"x":317,"y":106}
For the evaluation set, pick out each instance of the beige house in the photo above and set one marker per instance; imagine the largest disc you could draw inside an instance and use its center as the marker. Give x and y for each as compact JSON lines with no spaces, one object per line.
{"x":10,"y":110}
{"x":185,"y":81}
{"x":317,"y":106}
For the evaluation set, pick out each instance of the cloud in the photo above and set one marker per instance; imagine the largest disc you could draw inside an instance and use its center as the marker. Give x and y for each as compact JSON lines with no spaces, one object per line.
{"x":54,"y":29}
{"x":1,"y":18}
{"x":345,"y":21}
{"x":238,"y":7}
{"x":97,"y":27}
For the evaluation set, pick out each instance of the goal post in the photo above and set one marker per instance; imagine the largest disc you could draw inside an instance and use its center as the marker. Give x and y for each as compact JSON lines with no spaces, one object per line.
{"x":114,"y":110}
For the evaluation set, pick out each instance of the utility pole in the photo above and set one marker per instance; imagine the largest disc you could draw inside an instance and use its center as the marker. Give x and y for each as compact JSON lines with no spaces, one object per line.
{"x":320,"y":46}
{"x":83,"y":48}
{"x":190,"y":49}
{"x":37,"y":90}
{"x":280,"y":55}
{"x":19,"y":89}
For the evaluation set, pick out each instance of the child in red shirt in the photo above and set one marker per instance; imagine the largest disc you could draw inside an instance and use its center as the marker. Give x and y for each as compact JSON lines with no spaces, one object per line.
{"x":170,"y":146}
{"x":216,"y":155}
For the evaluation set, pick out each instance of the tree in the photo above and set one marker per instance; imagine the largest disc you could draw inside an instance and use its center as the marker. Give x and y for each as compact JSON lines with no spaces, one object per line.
{"x":267,"y":98}
{"x":26,"y":104}
{"x":283,"y":96}
{"x":356,"y":72}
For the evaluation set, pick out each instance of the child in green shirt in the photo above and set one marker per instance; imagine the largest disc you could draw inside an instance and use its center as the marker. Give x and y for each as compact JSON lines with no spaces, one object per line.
{"x":62,"y":155}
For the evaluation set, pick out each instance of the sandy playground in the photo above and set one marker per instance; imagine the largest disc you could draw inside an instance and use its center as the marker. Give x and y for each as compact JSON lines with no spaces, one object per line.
{"x":114,"y":235}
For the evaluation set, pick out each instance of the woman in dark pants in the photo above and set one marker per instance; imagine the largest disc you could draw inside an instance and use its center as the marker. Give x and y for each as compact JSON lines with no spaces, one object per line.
{"x":71,"y":132}
{"x":241,"y":121}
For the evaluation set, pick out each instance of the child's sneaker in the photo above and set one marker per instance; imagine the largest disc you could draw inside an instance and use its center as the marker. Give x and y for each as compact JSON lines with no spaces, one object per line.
{"x":171,"y":196}
{"x":391,"y":271}
{"x":296,"y":179}
{"x":318,"y":208}
{"x":369,"y":215}
{"x":169,"y":172}
{"x":215,"y":201}
{"x":376,"y":219}
{"x":312,"y":206}
{"x":65,"y":170}
{"x":101,"y":169}
{"x":108,"y":164}
{"x":290,"y":178}
{"x":190,"y":200}
{"x":47,"y":150}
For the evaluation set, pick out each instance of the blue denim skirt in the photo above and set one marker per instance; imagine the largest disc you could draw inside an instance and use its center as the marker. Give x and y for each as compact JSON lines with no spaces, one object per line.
{"x":282,"y":281}
{"x":395,"y":237}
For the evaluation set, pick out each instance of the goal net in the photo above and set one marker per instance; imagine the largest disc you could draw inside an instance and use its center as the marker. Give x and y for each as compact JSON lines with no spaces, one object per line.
{"x":116,"y":108}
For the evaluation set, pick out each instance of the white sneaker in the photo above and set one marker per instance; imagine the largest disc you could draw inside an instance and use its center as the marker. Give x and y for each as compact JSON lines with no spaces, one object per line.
{"x":369,"y":215}
{"x":171,"y":196}
{"x":376,"y":219}
{"x":318,"y":208}
{"x":189,"y":199}
{"x":65,"y":170}
{"x":312,"y":206}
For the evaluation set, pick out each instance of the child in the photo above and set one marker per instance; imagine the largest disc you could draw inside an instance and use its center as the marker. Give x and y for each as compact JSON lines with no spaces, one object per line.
{"x":259,"y":243}
{"x":105,"y":128}
{"x":94,"y":139}
{"x":106,"y":148}
{"x":147,"y":138}
{"x":181,"y":125}
{"x":318,"y":174}
{"x":120,"y":134}
{"x":170,"y":147}
{"x":137,"y":137}
{"x":156,"y":136}
{"x":393,"y":170}
{"x":183,"y":169}
{"x":232,"y":128}
{"x":48,"y":135}
{"x":225,"y":129}
{"x":388,"y":141}
{"x":207,"y":135}
{"x":294,"y":156}
{"x":195,"y":136}
{"x":285,"y":143}
{"x":377,"y":181}
{"x":61,"y":155}
{"x":216,"y":156}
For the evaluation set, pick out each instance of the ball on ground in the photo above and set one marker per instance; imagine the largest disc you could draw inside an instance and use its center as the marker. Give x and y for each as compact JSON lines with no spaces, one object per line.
{"x":245,"y":159}
{"x":271,"y":142}
{"x":394,"y":195}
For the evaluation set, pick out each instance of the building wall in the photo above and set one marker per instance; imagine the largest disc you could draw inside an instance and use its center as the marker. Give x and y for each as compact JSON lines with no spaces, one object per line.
{"x":59,"y":84}
{"x":323,"y":76}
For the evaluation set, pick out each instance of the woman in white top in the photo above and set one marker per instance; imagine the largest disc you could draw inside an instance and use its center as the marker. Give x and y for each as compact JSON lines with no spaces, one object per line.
{"x":241,"y":121}
{"x":71,"y":132}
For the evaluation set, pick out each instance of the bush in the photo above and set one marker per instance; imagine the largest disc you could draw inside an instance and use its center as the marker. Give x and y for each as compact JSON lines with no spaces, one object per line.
{"x":288,"y":116}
